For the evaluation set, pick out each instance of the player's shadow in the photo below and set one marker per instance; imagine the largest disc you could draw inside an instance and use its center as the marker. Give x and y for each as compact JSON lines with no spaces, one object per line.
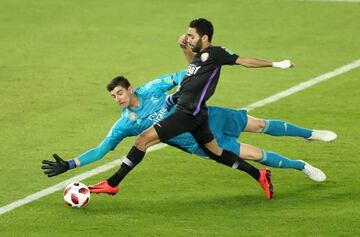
{"x":178,"y":204}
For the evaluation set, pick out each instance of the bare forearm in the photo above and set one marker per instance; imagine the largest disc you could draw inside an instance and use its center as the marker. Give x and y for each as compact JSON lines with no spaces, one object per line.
{"x":256,"y":63}
{"x":189,"y":54}
{"x":253,"y":62}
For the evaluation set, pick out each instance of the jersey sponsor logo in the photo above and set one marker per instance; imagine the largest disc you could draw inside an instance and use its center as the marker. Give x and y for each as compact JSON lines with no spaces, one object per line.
{"x":158,"y":116}
{"x":204,"y":57}
{"x":192,"y":69}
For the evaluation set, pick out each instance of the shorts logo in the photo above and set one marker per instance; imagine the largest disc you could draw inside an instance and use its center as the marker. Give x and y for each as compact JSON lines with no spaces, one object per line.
{"x":192,"y":69}
{"x":204,"y":57}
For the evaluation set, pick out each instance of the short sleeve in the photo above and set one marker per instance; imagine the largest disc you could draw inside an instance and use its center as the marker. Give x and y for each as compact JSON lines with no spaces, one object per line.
{"x":223,"y":56}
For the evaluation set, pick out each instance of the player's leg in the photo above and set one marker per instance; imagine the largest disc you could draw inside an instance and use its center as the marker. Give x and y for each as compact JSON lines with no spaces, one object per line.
{"x":227,"y":157}
{"x":268,"y":158}
{"x":205,"y":138}
{"x":254,"y":125}
{"x":134,"y":157}
{"x":283,"y":128}
{"x":273,"y":159}
{"x":227,"y":121}
{"x":227,"y":125}
{"x":206,"y":141}
{"x":146,"y":139}
{"x":249,"y":152}
{"x":276,"y":160}
{"x":164,"y":129}
{"x":275,"y":128}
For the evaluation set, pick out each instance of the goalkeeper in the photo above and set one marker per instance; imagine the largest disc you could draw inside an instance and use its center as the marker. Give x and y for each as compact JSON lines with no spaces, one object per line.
{"x":149,"y":104}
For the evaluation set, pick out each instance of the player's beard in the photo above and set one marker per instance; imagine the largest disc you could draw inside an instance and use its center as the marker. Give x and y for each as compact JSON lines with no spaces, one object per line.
{"x":197,"y":47}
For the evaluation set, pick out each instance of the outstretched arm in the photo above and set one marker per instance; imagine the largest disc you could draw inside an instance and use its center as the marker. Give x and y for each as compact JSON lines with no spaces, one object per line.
{"x":59,"y":166}
{"x":255,"y":63}
{"x":189,"y":54}
{"x":94,"y":154}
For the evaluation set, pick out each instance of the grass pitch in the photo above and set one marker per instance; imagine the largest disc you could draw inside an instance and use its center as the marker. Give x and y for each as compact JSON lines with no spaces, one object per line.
{"x":57,"y":57}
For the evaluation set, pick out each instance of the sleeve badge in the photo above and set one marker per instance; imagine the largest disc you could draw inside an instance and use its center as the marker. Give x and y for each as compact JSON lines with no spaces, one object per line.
{"x":204,"y":57}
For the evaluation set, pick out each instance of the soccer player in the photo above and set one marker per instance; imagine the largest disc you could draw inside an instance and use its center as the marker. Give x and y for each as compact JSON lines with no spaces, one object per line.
{"x":147,"y":104}
{"x":191,"y":113}
{"x":131,"y":124}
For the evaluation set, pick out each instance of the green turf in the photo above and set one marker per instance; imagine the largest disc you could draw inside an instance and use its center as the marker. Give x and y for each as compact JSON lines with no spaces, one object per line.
{"x":57,"y":56}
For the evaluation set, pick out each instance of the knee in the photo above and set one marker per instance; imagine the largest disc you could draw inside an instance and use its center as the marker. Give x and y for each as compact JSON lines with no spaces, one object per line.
{"x":260,"y":125}
{"x":255,"y":125}
{"x":142,"y":141}
{"x":212,"y":154}
{"x":251,"y":154}
{"x":213,"y":149}
{"x":217,"y":151}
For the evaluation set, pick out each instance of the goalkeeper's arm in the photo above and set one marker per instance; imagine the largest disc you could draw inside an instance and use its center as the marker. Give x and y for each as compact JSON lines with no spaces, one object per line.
{"x":170,"y":101}
{"x":59,"y":166}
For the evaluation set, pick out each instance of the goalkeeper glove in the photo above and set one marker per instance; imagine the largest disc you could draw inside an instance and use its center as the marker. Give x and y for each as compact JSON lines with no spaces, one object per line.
{"x":60,"y":166}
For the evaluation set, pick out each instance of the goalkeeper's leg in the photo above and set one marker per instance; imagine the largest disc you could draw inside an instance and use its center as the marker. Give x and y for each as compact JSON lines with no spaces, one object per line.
{"x":133,"y":158}
{"x":283,"y":128}
{"x":272,"y":159}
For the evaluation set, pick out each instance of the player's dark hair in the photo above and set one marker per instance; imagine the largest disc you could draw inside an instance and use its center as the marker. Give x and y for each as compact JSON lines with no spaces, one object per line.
{"x":203,"y":27}
{"x":118,"y":81}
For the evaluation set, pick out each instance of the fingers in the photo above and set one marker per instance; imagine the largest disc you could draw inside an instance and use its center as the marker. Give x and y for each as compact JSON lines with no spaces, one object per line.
{"x":182,"y":41}
{"x":57,"y":158}
{"x":47,"y":162}
{"x":49,"y":167}
{"x":182,"y":38}
{"x":46,"y":167}
{"x":51,"y":174}
{"x":49,"y":171}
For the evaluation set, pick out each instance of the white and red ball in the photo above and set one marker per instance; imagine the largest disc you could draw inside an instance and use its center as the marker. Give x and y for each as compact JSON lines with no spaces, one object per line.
{"x":77,"y":195}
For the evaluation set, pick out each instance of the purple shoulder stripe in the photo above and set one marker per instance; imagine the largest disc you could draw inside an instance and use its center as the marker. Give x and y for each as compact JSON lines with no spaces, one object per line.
{"x":212,"y":76}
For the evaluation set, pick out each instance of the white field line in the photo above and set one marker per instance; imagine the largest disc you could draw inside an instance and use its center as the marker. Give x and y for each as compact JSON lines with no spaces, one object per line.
{"x":356,"y":1}
{"x":305,"y":85}
{"x":116,"y":163}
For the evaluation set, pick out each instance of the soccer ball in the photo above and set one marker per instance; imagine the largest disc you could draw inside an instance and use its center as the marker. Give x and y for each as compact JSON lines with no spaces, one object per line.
{"x":76,"y":195}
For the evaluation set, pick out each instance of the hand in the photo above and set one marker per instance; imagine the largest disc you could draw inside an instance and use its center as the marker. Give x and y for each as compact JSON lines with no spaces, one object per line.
{"x":52,"y":168}
{"x":285,"y":64}
{"x":183,"y":41}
